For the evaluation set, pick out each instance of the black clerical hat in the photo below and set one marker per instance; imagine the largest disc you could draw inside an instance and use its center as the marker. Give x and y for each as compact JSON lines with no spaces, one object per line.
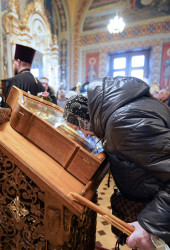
{"x":24,"y":53}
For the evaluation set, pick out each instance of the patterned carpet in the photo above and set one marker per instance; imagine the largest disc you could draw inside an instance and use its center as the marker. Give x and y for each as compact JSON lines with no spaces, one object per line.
{"x":105,"y":239}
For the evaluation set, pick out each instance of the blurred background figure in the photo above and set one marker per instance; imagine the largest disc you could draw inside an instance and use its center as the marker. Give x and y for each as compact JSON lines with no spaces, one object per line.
{"x":155,"y":94}
{"x":49,"y":89}
{"x":81,"y":88}
{"x":63,"y":97}
{"x":163,"y":95}
{"x":61,"y":100}
{"x":69,"y":94}
{"x":77,"y":88}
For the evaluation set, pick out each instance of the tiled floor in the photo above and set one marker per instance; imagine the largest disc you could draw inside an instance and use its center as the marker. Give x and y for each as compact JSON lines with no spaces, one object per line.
{"x":105,"y":239}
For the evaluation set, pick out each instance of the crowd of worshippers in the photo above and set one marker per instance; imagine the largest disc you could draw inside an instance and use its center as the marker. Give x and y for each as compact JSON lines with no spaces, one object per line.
{"x":26,"y":81}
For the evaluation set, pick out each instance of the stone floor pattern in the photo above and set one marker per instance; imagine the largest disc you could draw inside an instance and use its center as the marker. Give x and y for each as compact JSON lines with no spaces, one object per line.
{"x":105,"y":239}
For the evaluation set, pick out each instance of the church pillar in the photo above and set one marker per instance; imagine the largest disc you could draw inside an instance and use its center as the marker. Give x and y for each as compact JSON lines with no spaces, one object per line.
{"x":9,"y":55}
{"x":55,"y":64}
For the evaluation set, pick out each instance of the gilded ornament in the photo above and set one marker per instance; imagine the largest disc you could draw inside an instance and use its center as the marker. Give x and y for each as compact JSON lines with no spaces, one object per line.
{"x":17,"y":209}
{"x":15,"y":6}
{"x":12,"y":4}
{"x":32,"y":7}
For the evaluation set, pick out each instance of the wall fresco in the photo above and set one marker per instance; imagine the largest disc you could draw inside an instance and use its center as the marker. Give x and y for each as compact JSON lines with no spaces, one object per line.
{"x":53,"y":9}
{"x":129,"y":33}
{"x":132,"y":11}
{"x":165,"y":67}
{"x":5,"y":5}
{"x":62,"y":15}
{"x":76,"y":45}
{"x":49,"y":14}
{"x":29,"y":1}
{"x":92,"y":67}
{"x":63,"y":61}
{"x":101,"y":3}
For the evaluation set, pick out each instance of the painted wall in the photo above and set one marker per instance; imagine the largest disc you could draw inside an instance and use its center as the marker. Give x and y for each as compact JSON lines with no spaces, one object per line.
{"x":165,"y":66}
{"x":84,"y":32}
{"x":149,"y":32}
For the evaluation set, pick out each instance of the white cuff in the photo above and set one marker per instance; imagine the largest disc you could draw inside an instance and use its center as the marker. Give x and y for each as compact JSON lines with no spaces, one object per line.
{"x":159,"y":244}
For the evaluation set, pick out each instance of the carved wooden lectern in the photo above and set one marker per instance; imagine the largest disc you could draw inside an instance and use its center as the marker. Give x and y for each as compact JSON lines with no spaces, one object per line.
{"x":42,"y":160}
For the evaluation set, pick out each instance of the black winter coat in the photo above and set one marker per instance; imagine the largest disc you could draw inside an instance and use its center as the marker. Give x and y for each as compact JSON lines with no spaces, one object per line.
{"x":136,"y":131}
{"x":25,"y":81}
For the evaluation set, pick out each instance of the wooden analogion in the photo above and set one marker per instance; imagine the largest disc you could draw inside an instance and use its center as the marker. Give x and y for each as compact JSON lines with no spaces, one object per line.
{"x":42,"y":160}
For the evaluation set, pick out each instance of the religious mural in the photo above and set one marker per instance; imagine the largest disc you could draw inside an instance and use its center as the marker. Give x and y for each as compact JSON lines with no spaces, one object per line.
{"x":54,"y":11}
{"x":131,"y":10}
{"x":63,"y":61}
{"x":5,"y":5}
{"x":61,"y":12}
{"x":92,"y":66}
{"x":29,"y":1}
{"x":101,"y":3}
{"x":165,"y":69}
{"x":50,"y":15}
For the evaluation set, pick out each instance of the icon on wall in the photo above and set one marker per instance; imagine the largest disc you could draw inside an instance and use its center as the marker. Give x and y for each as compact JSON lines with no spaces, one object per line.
{"x":92,"y":66}
{"x":165,"y":67}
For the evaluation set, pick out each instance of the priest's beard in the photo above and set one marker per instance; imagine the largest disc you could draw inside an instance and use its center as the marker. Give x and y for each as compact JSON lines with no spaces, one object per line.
{"x":15,"y":70}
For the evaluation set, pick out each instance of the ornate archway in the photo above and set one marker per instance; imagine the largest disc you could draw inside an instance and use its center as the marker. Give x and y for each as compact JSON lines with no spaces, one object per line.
{"x":33,"y":31}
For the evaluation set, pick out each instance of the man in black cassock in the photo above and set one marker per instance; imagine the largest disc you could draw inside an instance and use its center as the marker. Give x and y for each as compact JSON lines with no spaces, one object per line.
{"x":23,"y":78}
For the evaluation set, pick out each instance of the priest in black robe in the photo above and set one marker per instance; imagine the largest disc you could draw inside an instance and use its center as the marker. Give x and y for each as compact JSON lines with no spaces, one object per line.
{"x":23,"y":78}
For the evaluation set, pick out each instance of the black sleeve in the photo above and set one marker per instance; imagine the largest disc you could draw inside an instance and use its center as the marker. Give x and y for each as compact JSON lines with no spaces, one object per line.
{"x":54,"y":99}
{"x":155,"y":217}
{"x":12,"y":82}
{"x":40,"y":87}
{"x":7,"y":89}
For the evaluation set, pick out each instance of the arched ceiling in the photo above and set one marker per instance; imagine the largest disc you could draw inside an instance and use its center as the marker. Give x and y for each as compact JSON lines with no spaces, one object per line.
{"x":101,"y":11}
{"x":56,"y":15}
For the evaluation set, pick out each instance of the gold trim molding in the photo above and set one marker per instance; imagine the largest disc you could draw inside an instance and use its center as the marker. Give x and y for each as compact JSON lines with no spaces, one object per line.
{"x":38,"y":7}
{"x":30,"y":8}
{"x":33,"y":7}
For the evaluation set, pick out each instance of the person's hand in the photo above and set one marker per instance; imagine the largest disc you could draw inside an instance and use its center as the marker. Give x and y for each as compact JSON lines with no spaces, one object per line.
{"x":139,"y":238}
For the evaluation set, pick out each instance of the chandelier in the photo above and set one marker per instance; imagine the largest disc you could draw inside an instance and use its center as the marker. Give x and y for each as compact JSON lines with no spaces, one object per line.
{"x":116,"y":25}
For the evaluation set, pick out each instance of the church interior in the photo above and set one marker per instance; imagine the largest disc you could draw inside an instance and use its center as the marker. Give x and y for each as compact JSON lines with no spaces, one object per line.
{"x":73,"y":44}
{"x":73,"y":47}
